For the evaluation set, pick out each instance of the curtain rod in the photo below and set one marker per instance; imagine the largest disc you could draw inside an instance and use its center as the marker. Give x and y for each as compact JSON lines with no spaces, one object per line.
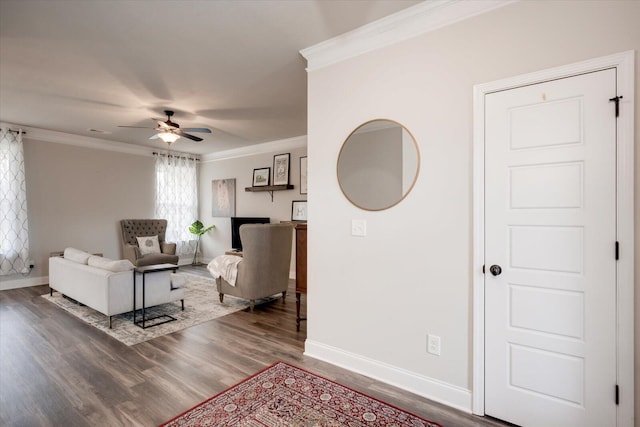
{"x":24,"y":132}
{"x":155,"y":153}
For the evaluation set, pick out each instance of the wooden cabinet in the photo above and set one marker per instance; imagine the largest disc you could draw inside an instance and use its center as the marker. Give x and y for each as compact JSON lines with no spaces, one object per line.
{"x":301,"y":268}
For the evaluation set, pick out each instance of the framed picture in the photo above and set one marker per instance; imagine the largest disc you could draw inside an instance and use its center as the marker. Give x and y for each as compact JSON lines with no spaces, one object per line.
{"x":261,"y":177}
{"x":303,"y":175}
{"x":223,"y":197}
{"x":299,"y":210}
{"x":281,"y":169}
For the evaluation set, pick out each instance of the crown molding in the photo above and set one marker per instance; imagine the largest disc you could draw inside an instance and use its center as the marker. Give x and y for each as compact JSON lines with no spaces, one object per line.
{"x":253,"y":150}
{"x":403,"y":25}
{"x":56,"y":137}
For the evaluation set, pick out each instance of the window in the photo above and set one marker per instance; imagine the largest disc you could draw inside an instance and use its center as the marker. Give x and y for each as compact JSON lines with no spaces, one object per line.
{"x":177,"y":198}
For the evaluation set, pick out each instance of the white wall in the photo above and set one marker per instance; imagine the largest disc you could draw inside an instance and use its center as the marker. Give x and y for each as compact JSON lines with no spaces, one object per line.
{"x":259,"y":204}
{"x":77,"y":195}
{"x":373,"y":300}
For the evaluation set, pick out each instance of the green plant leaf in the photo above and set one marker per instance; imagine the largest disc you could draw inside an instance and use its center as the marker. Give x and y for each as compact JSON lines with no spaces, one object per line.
{"x":198,"y":228}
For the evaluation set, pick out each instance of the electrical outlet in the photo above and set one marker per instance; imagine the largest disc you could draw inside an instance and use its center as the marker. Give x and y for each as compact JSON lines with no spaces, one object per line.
{"x":433,"y":344}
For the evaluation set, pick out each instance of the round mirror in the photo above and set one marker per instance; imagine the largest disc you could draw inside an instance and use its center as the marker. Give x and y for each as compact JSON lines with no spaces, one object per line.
{"x":378,"y":165}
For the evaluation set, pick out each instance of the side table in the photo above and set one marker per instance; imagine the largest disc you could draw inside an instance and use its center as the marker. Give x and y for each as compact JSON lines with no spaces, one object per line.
{"x":144,"y":271}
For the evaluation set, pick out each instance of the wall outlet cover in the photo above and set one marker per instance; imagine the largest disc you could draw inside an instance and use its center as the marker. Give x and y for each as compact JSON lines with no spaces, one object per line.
{"x":433,"y":344}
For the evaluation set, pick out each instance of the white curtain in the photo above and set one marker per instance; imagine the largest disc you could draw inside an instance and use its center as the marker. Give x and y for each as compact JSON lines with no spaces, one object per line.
{"x":14,"y":228}
{"x":177,"y":198}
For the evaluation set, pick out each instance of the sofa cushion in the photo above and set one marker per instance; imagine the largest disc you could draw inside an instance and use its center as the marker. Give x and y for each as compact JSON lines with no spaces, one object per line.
{"x":109,"y":264}
{"x":76,"y":255}
{"x":148,"y":245}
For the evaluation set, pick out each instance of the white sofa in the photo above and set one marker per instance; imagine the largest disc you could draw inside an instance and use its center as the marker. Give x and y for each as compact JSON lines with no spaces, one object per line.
{"x":107,"y":285}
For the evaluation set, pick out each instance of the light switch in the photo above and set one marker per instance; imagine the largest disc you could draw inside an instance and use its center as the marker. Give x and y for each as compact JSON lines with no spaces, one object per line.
{"x":358,"y":227}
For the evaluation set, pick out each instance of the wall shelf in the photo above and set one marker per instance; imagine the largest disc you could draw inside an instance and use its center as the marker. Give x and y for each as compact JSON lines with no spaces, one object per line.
{"x":270,"y":189}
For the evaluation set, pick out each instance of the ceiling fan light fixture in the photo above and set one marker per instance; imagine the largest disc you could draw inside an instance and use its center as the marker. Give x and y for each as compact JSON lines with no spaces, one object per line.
{"x":168,"y":137}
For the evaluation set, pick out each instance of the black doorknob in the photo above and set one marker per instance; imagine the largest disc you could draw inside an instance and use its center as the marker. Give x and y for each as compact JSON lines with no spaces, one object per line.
{"x":495,"y":270}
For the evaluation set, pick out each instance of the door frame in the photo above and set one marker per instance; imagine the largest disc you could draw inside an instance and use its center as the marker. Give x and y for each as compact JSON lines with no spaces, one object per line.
{"x":624,"y":63}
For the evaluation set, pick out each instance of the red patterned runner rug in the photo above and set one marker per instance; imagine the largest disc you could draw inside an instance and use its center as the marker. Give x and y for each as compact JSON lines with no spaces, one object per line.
{"x":283,"y":395}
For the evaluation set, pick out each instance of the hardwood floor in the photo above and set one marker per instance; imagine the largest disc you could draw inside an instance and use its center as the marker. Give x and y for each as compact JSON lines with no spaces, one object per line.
{"x":56,"y":370}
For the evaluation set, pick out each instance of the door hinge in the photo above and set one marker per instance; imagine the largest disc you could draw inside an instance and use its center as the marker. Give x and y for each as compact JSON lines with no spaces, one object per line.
{"x":617,"y":250}
{"x":617,"y":395}
{"x":617,"y":99}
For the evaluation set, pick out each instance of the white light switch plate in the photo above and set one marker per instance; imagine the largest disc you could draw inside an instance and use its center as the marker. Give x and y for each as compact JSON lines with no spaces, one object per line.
{"x":358,"y":227}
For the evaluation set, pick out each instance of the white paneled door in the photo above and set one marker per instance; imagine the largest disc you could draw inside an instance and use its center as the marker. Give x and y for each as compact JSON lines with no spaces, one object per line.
{"x":550,"y":232}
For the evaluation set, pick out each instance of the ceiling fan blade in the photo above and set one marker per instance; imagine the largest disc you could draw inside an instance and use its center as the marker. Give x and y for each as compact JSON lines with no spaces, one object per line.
{"x":201,"y":130}
{"x":186,"y":135}
{"x":155,"y":136}
{"x":136,"y":127}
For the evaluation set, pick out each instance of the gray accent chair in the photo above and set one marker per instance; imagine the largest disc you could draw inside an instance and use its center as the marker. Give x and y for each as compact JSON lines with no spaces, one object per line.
{"x":264,"y":269}
{"x":132,"y":228}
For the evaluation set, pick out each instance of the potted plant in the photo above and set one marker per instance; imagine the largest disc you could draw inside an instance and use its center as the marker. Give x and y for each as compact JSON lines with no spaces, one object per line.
{"x":198,"y":229}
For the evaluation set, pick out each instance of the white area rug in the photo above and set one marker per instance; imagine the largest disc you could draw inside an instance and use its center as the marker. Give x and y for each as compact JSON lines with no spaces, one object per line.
{"x":201,"y":303}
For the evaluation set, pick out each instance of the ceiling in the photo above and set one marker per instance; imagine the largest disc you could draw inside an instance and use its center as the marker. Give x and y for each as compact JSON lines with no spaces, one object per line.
{"x":230,"y":65}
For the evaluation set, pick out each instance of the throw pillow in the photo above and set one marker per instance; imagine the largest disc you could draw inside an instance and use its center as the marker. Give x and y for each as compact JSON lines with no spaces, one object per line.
{"x":148,"y":245}
{"x":76,"y":255}
{"x":110,"y":264}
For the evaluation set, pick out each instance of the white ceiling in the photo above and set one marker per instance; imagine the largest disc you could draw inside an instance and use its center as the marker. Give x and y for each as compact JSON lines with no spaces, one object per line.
{"x":230,"y":65}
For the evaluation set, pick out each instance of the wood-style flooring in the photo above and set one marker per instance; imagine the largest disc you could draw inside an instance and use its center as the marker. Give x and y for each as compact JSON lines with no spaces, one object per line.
{"x":56,"y":370}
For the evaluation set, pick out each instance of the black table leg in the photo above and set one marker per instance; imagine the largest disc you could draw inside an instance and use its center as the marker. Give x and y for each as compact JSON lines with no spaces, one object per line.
{"x":134,"y":297}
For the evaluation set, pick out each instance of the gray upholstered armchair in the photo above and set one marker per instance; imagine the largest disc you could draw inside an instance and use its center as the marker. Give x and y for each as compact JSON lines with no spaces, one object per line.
{"x":264,"y":269}
{"x":133,"y":228}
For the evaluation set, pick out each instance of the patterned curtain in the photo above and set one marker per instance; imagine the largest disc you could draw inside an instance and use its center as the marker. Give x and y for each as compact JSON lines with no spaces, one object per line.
{"x":177,"y":199}
{"x":14,"y":228}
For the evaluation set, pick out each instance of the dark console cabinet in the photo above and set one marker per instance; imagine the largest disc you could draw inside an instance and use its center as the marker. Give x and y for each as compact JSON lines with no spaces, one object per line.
{"x":301,"y":268}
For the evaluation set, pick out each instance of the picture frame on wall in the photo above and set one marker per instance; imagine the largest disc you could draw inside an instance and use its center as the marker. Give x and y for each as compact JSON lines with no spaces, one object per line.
{"x":261,"y":177}
{"x":299,"y":210}
{"x":281,"y":169}
{"x":303,"y":175}
{"x":223,"y":192}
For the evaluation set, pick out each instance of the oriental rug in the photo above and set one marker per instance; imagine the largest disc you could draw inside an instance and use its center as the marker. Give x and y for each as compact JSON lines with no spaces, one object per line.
{"x":283,"y":395}
{"x":201,"y":304}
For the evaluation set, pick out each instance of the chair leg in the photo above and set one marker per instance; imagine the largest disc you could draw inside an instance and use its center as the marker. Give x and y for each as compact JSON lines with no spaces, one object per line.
{"x":221,"y":297}
{"x":50,"y":291}
{"x":110,"y":319}
{"x":182,"y":301}
{"x":284,"y":295}
{"x":252,"y":303}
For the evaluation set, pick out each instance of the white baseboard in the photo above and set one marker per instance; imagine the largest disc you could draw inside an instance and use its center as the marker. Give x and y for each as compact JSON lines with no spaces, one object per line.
{"x":24,"y":283}
{"x":429,"y":388}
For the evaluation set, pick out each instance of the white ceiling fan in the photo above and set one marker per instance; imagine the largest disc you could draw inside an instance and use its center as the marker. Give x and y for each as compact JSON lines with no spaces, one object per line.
{"x":169,"y":131}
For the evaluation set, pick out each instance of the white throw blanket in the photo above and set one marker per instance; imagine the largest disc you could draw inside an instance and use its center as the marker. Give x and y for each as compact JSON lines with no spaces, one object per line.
{"x":225,"y":266}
